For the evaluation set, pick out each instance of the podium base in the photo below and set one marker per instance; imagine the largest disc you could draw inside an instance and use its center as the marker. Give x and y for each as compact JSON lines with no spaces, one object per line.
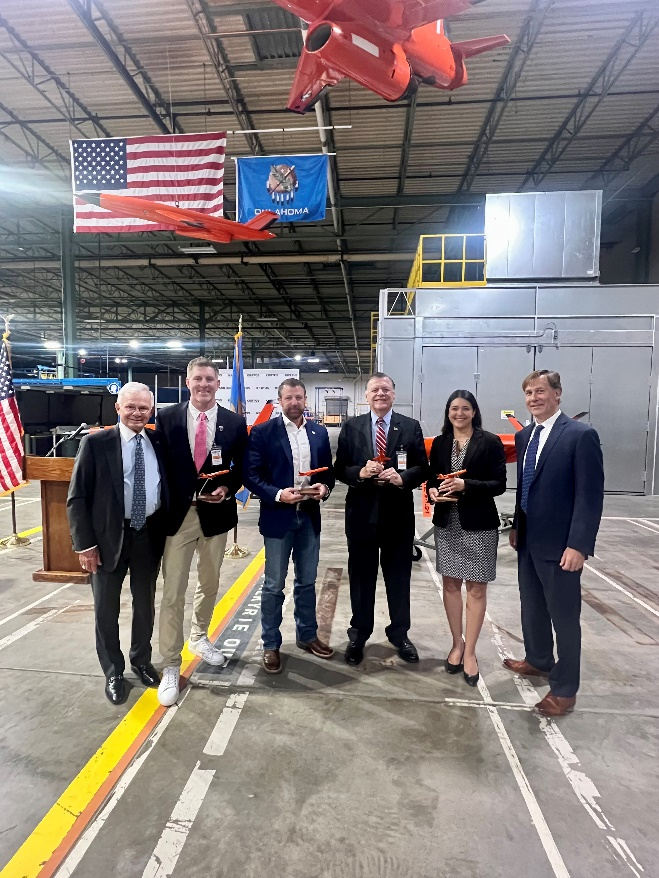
{"x":15,"y":540}
{"x":42,"y":575}
{"x":236,"y":551}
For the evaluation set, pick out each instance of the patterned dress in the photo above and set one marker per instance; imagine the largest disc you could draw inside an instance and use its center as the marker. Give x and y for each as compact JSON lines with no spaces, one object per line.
{"x":465,"y":554}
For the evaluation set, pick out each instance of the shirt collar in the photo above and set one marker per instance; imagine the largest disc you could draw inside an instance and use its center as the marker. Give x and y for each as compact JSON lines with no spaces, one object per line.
{"x":386,"y":418}
{"x":127,"y":434}
{"x":195,"y":412}
{"x":549,"y":423}
{"x":291,"y":424}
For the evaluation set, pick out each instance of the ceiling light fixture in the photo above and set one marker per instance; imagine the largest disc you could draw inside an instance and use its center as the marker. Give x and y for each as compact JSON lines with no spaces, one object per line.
{"x":51,"y":345}
{"x":200,"y":250}
{"x":297,"y":357}
{"x":133,"y":343}
{"x":313,"y":360}
{"x":323,"y":370}
{"x":82,"y":352}
{"x":174,"y":344}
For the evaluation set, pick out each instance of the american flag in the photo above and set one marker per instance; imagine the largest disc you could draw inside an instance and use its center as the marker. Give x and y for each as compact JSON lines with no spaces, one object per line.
{"x":11,"y":429}
{"x":183,"y":169}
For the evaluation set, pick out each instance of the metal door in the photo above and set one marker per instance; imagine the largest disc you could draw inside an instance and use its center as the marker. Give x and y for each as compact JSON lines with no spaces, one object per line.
{"x":501,"y":371}
{"x":619,"y":410}
{"x":444,"y":369}
{"x":574,"y":366}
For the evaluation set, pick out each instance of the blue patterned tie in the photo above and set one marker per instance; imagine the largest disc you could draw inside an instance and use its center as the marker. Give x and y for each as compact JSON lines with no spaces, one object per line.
{"x":138,"y":512}
{"x":529,"y":465}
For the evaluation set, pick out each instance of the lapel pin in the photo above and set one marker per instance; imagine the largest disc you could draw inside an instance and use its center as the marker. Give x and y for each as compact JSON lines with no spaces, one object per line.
{"x":220,"y":428}
{"x":313,"y":432}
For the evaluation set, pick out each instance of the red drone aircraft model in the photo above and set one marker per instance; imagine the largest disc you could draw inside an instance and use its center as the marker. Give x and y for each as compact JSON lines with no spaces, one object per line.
{"x":388,"y":46}
{"x":191,"y":223}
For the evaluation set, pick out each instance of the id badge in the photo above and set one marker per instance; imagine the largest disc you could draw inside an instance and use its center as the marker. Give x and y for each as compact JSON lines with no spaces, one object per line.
{"x":401,"y":460}
{"x":216,"y":455}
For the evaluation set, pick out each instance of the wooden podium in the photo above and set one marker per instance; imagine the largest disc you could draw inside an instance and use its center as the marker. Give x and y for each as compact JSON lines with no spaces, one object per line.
{"x":60,"y":562}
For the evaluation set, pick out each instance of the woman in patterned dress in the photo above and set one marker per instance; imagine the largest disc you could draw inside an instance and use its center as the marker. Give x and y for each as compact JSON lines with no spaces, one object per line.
{"x":466,"y":531}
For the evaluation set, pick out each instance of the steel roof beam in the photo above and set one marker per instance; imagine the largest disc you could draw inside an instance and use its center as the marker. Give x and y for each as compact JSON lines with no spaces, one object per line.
{"x":218,"y":57}
{"x":519,"y":55}
{"x":625,"y":49}
{"x":408,"y":131}
{"x":137,"y":80}
{"x":35,"y":147}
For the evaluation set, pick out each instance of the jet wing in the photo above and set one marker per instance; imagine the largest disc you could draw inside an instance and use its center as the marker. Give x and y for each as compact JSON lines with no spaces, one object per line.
{"x":399,"y":18}
{"x":311,"y":79}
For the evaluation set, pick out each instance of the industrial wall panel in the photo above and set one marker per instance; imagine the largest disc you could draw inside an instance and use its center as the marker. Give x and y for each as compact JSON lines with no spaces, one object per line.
{"x":397,"y":327}
{"x":582,"y":234}
{"x":574,"y":366}
{"x":398,"y":357}
{"x":444,"y":370}
{"x":476,"y":302}
{"x":521,"y":236}
{"x":549,"y":234}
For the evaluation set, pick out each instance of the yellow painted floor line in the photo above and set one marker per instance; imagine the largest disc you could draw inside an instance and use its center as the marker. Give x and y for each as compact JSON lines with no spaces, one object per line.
{"x":43,"y":851}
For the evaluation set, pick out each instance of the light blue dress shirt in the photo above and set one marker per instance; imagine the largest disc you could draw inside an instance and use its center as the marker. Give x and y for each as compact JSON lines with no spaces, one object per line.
{"x":387,"y":421}
{"x":151,"y":470}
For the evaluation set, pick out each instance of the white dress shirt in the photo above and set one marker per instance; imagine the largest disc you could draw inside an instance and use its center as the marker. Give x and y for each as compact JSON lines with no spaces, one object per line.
{"x":193,"y":420}
{"x":544,"y":435}
{"x":300,"y":449}
{"x":151,"y":470}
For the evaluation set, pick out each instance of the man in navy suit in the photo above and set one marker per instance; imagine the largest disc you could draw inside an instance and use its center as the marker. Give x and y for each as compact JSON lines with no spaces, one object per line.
{"x":560,"y":494}
{"x":277,"y":453}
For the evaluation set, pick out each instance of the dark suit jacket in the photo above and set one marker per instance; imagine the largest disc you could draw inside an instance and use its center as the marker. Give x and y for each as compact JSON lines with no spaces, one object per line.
{"x":567,"y":492}
{"x":231,"y":436}
{"x":269,"y":467}
{"x":95,"y":504}
{"x":485,"y":479}
{"x":371,"y":508}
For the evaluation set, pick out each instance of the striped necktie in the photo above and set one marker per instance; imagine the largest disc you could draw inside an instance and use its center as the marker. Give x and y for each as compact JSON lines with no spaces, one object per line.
{"x":138,"y":511}
{"x":529,"y":465}
{"x":380,"y":438}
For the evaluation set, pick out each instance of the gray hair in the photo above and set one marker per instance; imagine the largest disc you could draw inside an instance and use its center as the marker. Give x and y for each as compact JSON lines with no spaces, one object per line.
{"x":134,"y":387}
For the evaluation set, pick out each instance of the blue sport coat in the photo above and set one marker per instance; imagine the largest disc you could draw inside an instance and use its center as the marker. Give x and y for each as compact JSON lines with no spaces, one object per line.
{"x":268,"y":466}
{"x":566,"y":494}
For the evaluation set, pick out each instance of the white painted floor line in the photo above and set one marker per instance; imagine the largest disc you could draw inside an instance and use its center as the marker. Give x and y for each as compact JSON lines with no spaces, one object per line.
{"x":537,"y":817}
{"x":623,"y":590}
{"x":626,"y":855}
{"x":650,"y":523}
{"x":168,"y":850}
{"x":84,"y":842}
{"x":35,"y":603}
{"x":644,"y":526}
{"x":26,"y":629}
{"x":219,"y":737}
{"x":6,"y":507}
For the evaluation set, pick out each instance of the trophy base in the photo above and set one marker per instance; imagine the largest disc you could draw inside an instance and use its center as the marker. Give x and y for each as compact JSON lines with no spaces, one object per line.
{"x":441,"y":499}
{"x":307,"y":492}
{"x":210,"y":498}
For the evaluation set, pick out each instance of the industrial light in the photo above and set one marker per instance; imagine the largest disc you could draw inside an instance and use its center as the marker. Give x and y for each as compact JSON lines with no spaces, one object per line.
{"x":120,"y":360}
{"x":82,"y":352}
{"x":133,"y":343}
{"x":217,"y":361}
{"x":313,"y":360}
{"x":200,"y":250}
{"x":297,"y":357}
{"x":174,"y":344}
{"x":52,"y":345}
{"x":323,"y":370}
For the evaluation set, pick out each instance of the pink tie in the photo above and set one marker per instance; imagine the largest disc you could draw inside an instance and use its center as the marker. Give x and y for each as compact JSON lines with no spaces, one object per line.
{"x":200,"y":451}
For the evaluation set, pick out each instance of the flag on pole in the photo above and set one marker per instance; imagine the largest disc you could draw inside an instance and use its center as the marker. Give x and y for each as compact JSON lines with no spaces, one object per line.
{"x":182,"y":169}
{"x":11,"y":428}
{"x":238,"y":400}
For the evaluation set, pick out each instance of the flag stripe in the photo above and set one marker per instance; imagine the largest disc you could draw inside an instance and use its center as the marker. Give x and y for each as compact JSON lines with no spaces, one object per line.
{"x":171,"y":155}
{"x":166,"y":140}
{"x":11,"y":429}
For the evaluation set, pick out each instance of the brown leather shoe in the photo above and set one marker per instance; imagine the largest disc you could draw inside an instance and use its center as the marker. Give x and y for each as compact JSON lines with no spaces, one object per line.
{"x":524,"y":668}
{"x":555,"y":705}
{"x":316,"y":647}
{"x":271,"y":661}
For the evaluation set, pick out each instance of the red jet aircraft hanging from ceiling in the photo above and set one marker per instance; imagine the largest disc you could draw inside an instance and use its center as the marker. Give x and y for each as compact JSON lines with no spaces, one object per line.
{"x":183,"y":221}
{"x":388,"y":46}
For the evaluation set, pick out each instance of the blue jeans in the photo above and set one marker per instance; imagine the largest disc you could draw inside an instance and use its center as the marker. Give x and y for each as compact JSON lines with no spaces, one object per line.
{"x":305,"y":545}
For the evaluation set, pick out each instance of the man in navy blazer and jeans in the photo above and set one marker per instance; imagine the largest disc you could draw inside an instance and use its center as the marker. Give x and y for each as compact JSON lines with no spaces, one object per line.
{"x":277,"y":453}
{"x":560,"y":494}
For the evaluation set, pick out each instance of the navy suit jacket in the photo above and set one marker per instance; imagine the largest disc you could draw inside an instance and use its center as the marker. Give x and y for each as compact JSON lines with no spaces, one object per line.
{"x":566,"y":494}
{"x":269,"y":467}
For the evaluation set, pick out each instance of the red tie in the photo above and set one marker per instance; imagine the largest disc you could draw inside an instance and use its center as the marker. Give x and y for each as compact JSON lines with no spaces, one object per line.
{"x":200,"y":451}
{"x":380,"y":438}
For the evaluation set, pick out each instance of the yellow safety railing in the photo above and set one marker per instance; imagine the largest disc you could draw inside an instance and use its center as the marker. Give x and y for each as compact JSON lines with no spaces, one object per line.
{"x":449,"y":260}
{"x":374,"y":338}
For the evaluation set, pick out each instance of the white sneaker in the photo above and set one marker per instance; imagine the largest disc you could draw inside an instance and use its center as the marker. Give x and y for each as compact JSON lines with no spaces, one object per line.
{"x":168,"y":690}
{"x":205,"y":650}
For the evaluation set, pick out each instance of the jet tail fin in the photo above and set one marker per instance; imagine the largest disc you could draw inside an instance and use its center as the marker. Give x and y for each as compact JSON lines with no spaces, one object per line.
{"x":312,"y":77}
{"x":262,"y":220}
{"x":469,"y":48}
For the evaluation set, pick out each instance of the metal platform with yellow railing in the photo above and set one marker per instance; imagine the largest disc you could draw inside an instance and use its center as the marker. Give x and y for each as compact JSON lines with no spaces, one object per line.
{"x":449,"y":260}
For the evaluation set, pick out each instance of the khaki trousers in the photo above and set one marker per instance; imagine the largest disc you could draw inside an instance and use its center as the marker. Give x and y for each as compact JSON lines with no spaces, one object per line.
{"x":176,"y":562}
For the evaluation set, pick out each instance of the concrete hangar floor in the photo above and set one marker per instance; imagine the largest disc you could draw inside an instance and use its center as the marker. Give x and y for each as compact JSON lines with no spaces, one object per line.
{"x":326,"y":771}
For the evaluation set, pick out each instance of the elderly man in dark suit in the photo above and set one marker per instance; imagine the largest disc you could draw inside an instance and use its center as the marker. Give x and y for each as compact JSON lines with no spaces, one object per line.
{"x":560,"y":494}
{"x":278,"y":452}
{"x":199,"y":436}
{"x":380,"y":513}
{"x":116,"y":509}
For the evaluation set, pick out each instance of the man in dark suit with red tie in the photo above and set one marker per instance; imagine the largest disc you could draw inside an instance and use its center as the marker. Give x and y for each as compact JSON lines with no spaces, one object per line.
{"x":199,"y":436}
{"x":380,"y":513}
{"x":560,"y":494}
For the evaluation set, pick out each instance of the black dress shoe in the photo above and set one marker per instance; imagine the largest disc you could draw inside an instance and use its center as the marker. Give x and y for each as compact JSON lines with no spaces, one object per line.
{"x":354,"y":653}
{"x":407,"y":651}
{"x":147,"y":674}
{"x":115,"y":689}
{"x":454,"y":669}
{"x":471,"y":679}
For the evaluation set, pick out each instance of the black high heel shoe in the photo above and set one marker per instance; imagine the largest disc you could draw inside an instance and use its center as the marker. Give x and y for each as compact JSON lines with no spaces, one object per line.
{"x":454,"y":669}
{"x":471,"y":679}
